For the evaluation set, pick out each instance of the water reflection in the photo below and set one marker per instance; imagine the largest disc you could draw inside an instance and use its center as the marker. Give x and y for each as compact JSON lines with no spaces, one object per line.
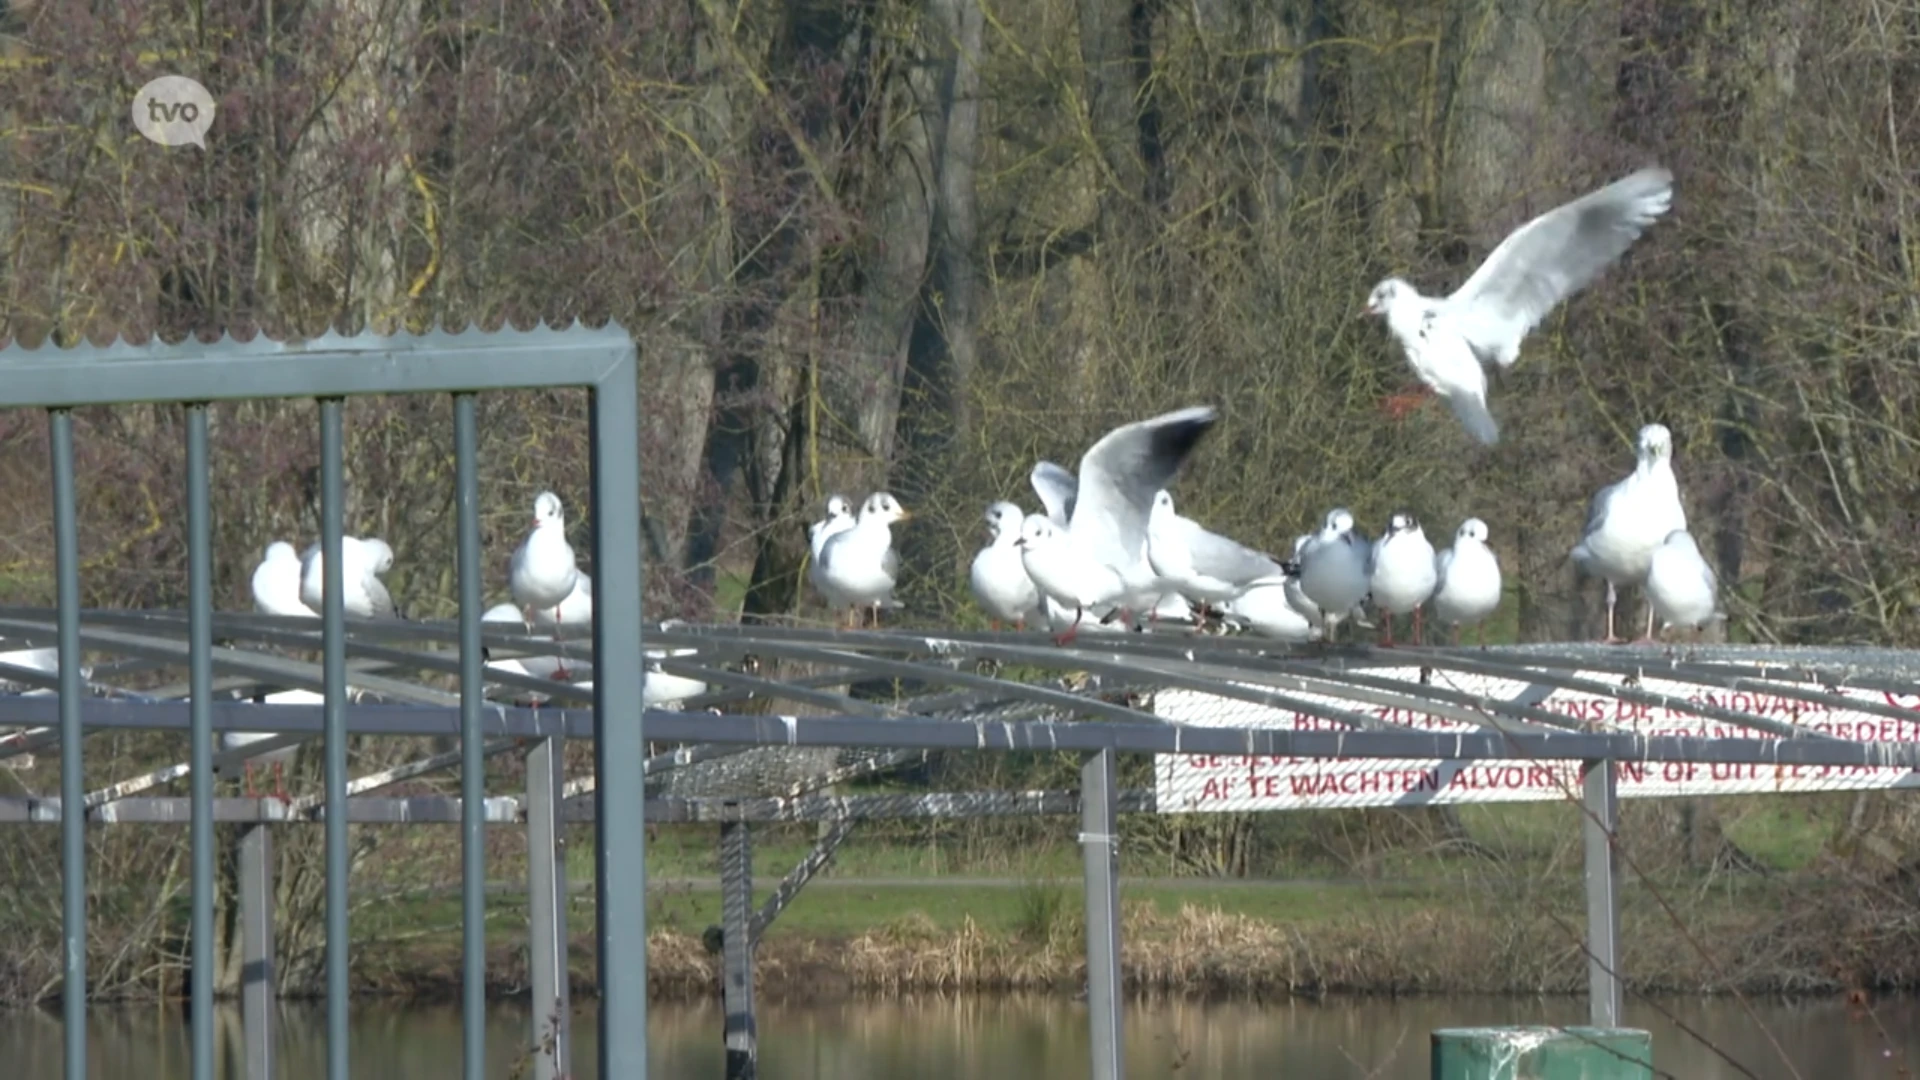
{"x":996,"y":1038}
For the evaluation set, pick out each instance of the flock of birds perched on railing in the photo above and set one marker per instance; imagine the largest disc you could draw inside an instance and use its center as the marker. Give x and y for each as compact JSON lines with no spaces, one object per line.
{"x":1111,"y":545}
{"x":552,"y":598}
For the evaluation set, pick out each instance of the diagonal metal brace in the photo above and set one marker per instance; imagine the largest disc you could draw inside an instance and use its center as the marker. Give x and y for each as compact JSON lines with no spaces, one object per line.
{"x":797,"y":878}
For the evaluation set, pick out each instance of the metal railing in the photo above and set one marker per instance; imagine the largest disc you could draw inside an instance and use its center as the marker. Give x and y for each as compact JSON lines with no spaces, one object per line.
{"x":330,"y":369}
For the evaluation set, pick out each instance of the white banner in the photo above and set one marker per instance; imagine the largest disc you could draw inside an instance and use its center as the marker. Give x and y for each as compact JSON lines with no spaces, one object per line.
{"x":1198,"y":783}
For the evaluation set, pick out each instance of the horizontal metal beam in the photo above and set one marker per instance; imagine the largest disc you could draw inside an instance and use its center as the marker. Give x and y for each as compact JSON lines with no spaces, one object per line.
{"x":510,"y":810}
{"x":332,"y":365}
{"x":961,"y":734}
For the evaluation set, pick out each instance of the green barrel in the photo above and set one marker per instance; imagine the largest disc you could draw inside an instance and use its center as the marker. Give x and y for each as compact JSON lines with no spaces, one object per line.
{"x":1542,"y":1053}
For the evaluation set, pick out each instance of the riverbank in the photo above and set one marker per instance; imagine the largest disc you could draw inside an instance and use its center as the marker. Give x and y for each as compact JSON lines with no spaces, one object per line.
{"x":1765,"y":937}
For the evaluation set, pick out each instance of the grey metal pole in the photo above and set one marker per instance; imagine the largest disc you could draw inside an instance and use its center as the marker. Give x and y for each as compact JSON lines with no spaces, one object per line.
{"x":547,"y":912}
{"x":619,"y":789}
{"x":334,"y":675}
{"x":1601,"y":822}
{"x":736,"y":953}
{"x":1102,"y":861}
{"x":200,"y":741}
{"x":258,"y":989}
{"x":473,"y":843}
{"x":73,"y":818}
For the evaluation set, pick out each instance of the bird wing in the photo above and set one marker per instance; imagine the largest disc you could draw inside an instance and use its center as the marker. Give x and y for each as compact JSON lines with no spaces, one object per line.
{"x":1553,"y":256}
{"x":378,"y":597}
{"x":1441,"y":563}
{"x":1225,"y":559}
{"x":1601,"y":505}
{"x":1120,"y":474}
{"x":1471,"y":410}
{"x":1057,"y":489}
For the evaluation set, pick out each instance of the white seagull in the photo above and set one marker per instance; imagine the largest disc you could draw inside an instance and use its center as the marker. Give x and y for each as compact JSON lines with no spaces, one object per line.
{"x":1058,"y":489}
{"x":1468,"y":587}
{"x":542,"y":573}
{"x":1333,"y":568}
{"x":1067,"y":578}
{"x":278,"y":759}
{"x":1204,"y":566}
{"x":839,"y":518}
{"x":1681,"y":587}
{"x":859,"y":563}
{"x":1107,"y":522}
{"x":1267,"y":610}
{"x":361,"y":564}
{"x":276,"y":582}
{"x":575,"y":613}
{"x":1540,"y":264}
{"x":550,"y":666}
{"x":1630,"y":517}
{"x":998,"y":575}
{"x":1400,"y":573}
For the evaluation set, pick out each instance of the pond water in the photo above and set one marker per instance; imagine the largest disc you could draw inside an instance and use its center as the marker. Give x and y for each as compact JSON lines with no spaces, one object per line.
{"x":1003,"y":1037}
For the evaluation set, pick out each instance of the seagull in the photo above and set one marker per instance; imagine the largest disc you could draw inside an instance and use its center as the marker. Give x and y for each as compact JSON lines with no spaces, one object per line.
{"x":839,"y":518}
{"x":1681,"y":587}
{"x":575,"y":613}
{"x":659,"y":687}
{"x":276,"y":582}
{"x":1400,"y":572}
{"x":277,"y":759}
{"x":1058,"y":490}
{"x":1333,"y":568}
{"x":1064,"y":574}
{"x":999,"y":575}
{"x":1540,"y":264}
{"x":1107,"y":513}
{"x":859,"y":563}
{"x":361,"y":564}
{"x":537,"y":666}
{"x":542,"y":572}
{"x":1630,"y":517}
{"x":1266,"y":609}
{"x":1204,"y":566}
{"x":1468,"y":580}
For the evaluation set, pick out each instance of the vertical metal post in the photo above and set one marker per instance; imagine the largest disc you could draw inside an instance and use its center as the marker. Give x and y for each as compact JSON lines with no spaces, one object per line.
{"x":258,"y":989}
{"x":200,"y":752}
{"x":736,"y":953}
{"x":73,"y":811}
{"x":1102,"y":861}
{"x":334,"y":674}
{"x":1601,"y":821}
{"x":473,"y":848}
{"x":547,"y":912}
{"x":619,"y":795}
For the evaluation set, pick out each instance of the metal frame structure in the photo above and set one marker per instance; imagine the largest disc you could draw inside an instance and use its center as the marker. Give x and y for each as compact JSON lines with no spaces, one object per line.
{"x":946,"y":692}
{"x":329,"y":369}
{"x":948,"y":697}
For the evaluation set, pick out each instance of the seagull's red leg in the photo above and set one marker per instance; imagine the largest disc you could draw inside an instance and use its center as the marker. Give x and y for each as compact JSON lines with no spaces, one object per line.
{"x":280,"y":783}
{"x":246,"y":771}
{"x":1066,"y":636}
{"x":1416,"y":626}
{"x":1401,"y":404}
{"x":1386,"y":629}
